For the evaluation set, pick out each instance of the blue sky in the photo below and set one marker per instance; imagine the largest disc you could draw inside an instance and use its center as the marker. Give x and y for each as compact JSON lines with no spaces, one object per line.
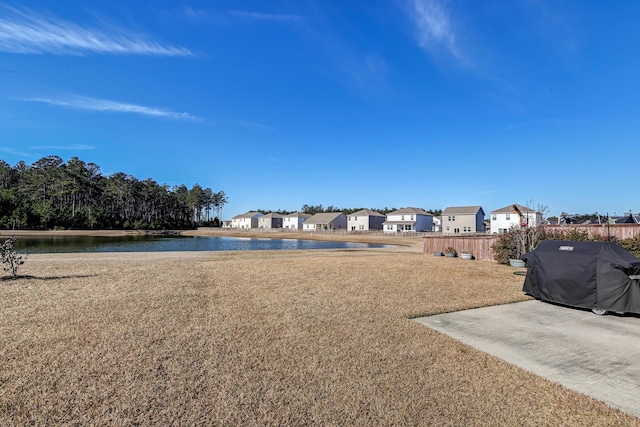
{"x":378,"y":103}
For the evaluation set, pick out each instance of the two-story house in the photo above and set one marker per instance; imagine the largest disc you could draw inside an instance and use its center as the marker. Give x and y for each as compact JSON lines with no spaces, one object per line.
{"x":365,"y":219}
{"x":514,"y":216}
{"x":247,"y":220}
{"x":270,"y":220}
{"x":463,"y":219}
{"x":408,"y":219}
{"x":294,"y":220}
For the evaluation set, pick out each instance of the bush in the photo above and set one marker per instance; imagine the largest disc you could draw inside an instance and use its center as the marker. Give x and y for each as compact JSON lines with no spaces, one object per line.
{"x":632,"y":245}
{"x":505,"y":248}
{"x":516,"y":242}
{"x":11,"y":260}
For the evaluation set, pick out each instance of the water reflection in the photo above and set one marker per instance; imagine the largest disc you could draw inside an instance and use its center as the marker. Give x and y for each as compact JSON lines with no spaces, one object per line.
{"x":145,"y":243}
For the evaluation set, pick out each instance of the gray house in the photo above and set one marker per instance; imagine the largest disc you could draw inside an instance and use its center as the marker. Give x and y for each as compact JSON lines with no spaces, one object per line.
{"x":326,"y":221}
{"x":272,"y":220}
{"x":365,"y":219}
{"x":463,"y":219}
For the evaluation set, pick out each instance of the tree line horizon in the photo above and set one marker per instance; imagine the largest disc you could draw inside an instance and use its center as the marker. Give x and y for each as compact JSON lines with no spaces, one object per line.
{"x":314,"y":209}
{"x":52,"y":194}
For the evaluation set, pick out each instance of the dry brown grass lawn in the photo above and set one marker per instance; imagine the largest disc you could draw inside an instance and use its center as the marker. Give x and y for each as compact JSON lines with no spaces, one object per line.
{"x":262,"y":338}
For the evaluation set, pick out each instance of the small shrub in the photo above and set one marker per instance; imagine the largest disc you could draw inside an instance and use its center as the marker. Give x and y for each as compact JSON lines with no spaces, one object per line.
{"x":11,"y":260}
{"x":450,"y":250}
{"x":516,"y":242}
{"x":505,"y":248}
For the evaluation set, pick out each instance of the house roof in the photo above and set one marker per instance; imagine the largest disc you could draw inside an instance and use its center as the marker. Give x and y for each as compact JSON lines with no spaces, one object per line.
{"x":509,"y":209}
{"x":462,"y":210}
{"x":298,"y":215}
{"x":366,"y":212}
{"x":628,"y":219}
{"x":248,"y":215}
{"x":323,"y":218}
{"x":405,"y":211}
{"x":271,"y":215}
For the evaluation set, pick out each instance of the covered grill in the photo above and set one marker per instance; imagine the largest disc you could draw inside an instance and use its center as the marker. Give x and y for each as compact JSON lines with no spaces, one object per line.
{"x":600,"y":276}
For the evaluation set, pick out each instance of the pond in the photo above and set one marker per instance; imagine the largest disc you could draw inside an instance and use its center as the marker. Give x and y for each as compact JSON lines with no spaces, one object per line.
{"x":156,"y":243}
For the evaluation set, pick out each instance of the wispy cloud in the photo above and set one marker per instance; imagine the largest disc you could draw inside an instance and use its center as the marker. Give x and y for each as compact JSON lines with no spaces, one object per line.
{"x":264,"y":16}
{"x":27,"y":32}
{"x":434,"y":28}
{"x":13,"y":152}
{"x":103,"y":105}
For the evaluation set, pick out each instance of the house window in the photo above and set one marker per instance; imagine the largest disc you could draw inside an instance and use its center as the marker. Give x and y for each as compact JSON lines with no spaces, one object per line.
{"x":494,"y":217}
{"x":361,"y":227}
{"x":452,"y":217}
{"x":402,"y":218}
{"x":412,"y":218}
{"x":508,"y":217}
{"x":447,"y":228}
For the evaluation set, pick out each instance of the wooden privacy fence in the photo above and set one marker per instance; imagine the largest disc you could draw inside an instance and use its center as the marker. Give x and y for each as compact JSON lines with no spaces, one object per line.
{"x":480,"y":245}
{"x":617,"y":231}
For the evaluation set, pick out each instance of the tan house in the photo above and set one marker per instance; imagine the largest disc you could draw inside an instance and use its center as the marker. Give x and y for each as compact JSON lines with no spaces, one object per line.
{"x":271,"y":220}
{"x":365,"y":219}
{"x":463,"y":219}
{"x":326,"y":221}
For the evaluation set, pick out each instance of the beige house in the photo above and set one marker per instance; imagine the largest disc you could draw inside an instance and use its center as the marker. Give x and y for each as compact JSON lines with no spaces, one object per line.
{"x":325,"y":221}
{"x":271,"y":220}
{"x":463,"y":219}
{"x":365,"y":219}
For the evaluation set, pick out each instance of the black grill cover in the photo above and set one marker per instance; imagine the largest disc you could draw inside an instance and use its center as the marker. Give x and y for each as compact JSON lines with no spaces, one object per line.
{"x":584,"y":274}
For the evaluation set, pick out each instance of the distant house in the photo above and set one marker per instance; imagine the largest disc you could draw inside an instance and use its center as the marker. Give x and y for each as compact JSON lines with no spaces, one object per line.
{"x":326,"y":221}
{"x":271,"y":220}
{"x":247,"y":220}
{"x":408,"y":219}
{"x":463,"y":219}
{"x":514,"y":216}
{"x":630,"y":218}
{"x":294,"y":221}
{"x":226,"y":224}
{"x":437,"y":224}
{"x":365,"y":219}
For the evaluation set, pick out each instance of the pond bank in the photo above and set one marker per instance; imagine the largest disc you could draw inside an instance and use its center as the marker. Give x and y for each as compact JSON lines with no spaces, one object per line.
{"x":412,"y":243}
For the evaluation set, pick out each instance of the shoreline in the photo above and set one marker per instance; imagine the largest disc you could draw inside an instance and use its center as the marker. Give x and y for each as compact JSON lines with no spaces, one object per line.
{"x":413,"y":242}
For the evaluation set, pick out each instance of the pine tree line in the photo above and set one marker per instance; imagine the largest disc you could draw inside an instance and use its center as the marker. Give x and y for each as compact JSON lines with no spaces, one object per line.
{"x":52,"y":194}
